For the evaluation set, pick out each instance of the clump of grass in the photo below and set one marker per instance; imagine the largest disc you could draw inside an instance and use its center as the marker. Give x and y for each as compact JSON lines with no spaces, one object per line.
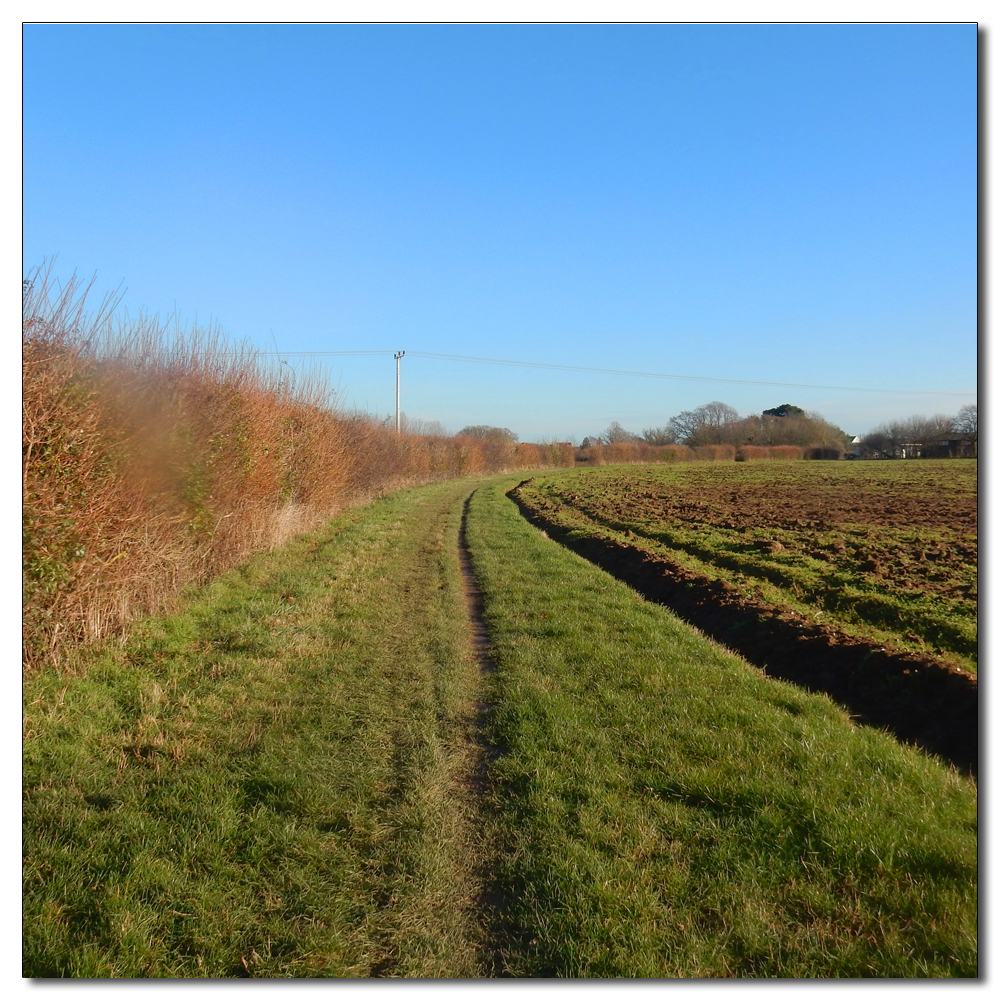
{"x":666,"y":811}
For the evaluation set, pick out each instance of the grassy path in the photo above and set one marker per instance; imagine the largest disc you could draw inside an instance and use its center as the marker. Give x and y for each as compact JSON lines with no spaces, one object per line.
{"x":269,"y":784}
{"x":284,"y":780}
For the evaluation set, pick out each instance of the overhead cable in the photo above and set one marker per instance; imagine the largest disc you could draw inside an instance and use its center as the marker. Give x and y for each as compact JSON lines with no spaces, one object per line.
{"x":616,"y":371}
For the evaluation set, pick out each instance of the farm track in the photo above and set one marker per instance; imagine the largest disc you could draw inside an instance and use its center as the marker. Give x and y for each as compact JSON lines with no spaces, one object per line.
{"x":920,"y":700}
{"x":491,"y":903}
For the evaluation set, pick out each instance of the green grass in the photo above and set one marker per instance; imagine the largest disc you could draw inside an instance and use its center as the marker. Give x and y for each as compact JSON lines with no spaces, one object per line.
{"x":265,"y":784}
{"x":667,"y":811}
{"x":274,"y":782}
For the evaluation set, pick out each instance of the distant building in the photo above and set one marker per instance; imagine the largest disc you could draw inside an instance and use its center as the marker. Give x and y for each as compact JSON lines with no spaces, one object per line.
{"x":938,"y":448}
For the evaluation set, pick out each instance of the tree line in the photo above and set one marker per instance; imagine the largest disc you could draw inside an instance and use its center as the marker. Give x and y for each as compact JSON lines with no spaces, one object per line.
{"x":719,"y":423}
{"x":939,"y":436}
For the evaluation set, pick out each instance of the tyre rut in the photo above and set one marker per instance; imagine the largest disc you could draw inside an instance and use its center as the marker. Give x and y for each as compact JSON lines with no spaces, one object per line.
{"x":483,"y":752}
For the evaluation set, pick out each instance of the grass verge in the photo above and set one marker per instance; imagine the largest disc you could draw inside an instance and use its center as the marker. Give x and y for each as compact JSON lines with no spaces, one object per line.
{"x":666,"y":811}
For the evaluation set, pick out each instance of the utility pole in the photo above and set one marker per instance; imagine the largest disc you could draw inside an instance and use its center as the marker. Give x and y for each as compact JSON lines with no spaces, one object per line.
{"x":397,"y":356}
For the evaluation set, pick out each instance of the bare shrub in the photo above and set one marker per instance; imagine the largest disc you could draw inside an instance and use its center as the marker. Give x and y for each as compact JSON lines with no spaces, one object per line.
{"x":632,"y":453}
{"x":675,"y":453}
{"x":529,"y":456}
{"x":153,"y":459}
{"x":550,"y":455}
{"x":758,"y":453}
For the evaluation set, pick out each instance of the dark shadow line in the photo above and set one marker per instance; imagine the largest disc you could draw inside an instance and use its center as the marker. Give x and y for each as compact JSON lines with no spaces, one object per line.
{"x":492,"y":903}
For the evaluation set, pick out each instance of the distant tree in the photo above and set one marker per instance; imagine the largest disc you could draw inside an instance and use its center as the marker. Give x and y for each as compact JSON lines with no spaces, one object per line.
{"x":967,"y":425}
{"x":886,"y":440}
{"x":917,"y":436}
{"x":797,"y":427}
{"x":933,"y":435}
{"x":826,"y":434}
{"x":660,"y":435}
{"x":717,"y":424}
{"x":708,"y":424}
{"x":877,"y":442}
{"x":484,"y":432}
{"x":784,"y":410}
{"x":718,"y":414}
{"x":685,"y":424}
{"x":616,"y":434}
{"x":899,"y":434}
{"x":926,"y":437}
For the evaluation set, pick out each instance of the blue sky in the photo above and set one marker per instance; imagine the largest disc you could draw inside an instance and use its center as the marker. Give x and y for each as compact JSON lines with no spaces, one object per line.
{"x":777,"y":203}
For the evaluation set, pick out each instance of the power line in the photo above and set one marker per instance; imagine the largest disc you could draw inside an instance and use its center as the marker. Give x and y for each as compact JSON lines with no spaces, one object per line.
{"x":308,"y":354}
{"x":617,"y":371}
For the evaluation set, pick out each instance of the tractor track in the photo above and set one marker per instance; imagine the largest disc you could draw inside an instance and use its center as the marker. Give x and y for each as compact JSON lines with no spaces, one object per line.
{"x":491,"y":904}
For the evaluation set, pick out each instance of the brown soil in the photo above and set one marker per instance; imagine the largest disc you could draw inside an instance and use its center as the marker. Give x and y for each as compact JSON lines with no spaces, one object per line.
{"x":917,"y":698}
{"x":811,"y":504}
{"x":922,"y":540}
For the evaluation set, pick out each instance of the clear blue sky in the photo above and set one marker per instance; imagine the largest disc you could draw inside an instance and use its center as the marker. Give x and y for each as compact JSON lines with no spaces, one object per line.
{"x":762,"y":203}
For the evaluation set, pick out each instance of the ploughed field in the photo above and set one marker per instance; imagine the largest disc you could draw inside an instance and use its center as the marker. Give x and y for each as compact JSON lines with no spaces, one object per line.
{"x":836,"y":575}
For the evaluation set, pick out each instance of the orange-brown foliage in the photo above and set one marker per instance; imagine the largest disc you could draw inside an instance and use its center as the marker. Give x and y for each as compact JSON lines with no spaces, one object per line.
{"x":633,"y":453}
{"x":760,"y":452}
{"x":715,"y":452}
{"x":143,"y":473}
{"x":154,"y":460}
